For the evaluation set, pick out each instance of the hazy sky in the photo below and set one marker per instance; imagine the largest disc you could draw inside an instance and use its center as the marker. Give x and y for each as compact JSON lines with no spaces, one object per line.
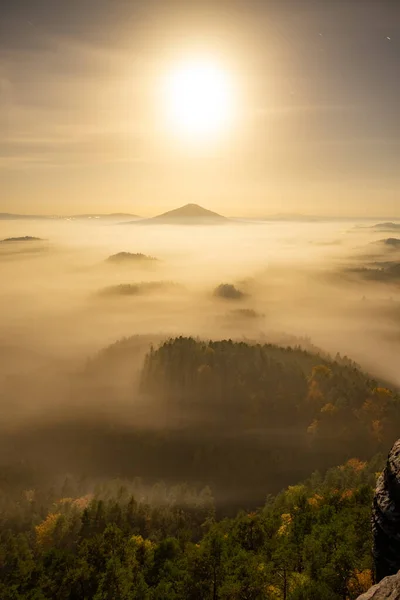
{"x":81,"y":105}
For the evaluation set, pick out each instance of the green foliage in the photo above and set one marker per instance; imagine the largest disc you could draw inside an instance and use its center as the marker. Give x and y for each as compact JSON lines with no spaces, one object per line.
{"x":311,"y":541}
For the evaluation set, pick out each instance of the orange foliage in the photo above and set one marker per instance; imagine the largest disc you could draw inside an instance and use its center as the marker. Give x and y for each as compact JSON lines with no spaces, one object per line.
{"x":44,"y":531}
{"x":362,"y":581}
{"x":382,"y":393}
{"x":82,"y":502}
{"x":78,"y":503}
{"x":355,"y":464}
{"x":347,"y":494}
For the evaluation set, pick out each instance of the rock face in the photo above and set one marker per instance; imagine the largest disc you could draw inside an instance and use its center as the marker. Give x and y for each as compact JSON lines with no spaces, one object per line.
{"x":386,"y":517}
{"x":387,"y":589}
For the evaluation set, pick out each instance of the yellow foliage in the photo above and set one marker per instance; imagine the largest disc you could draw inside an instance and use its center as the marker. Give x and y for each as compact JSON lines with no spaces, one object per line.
{"x":273,"y":592}
{"x":286,"y":521}
{"x":315,"y":501}
{"x":44,"y":531}
{"x":361,"y":581}
{"x":329,"y":409}
{"x":141,"y":543}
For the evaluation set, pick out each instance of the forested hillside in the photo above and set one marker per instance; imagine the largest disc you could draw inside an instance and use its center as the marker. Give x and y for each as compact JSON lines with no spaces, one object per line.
{"x":311,"y":542}
{"x":250,"y":419}
{"x":245,"y":419}
{"x":226,"y":426}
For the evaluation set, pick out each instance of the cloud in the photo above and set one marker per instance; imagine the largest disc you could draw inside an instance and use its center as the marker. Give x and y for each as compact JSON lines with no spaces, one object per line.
{"x":71,"y":102}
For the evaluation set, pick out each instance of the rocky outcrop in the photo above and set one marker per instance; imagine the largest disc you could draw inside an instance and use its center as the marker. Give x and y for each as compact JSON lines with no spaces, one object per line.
{"x":386,"y":518}
{"x":387,"y":589}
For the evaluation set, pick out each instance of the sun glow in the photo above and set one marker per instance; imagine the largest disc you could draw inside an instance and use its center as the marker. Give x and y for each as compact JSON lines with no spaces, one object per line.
{"x":199,"y":99}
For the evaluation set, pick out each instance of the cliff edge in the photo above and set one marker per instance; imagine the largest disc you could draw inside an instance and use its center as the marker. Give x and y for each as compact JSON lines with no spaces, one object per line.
{"x":386,"y":517}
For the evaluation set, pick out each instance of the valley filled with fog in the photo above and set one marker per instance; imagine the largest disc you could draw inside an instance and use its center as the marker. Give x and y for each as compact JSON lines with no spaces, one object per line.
{"x":299,"y":279}
{"x":83,"y":302}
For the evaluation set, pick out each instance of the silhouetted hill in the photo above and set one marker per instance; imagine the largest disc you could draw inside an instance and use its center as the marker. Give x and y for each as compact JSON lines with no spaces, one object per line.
{"x":389,"y":226}
{"x":228,"y":291}
{"x":390,"y":242}
{"x":381,"y":272}
{"x":134,"y":289}
{"x":26,"y":238}
{"x":129,"y":258}
{"x":190,"y":214}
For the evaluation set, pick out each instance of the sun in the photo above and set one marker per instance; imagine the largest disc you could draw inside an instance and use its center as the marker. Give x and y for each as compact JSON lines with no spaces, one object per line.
{"x":199,"y":99}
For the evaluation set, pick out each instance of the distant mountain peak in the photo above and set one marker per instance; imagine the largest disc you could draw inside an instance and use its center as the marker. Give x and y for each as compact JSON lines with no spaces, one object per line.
{"x":189,"y":214}
{"x":191,"y":210}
